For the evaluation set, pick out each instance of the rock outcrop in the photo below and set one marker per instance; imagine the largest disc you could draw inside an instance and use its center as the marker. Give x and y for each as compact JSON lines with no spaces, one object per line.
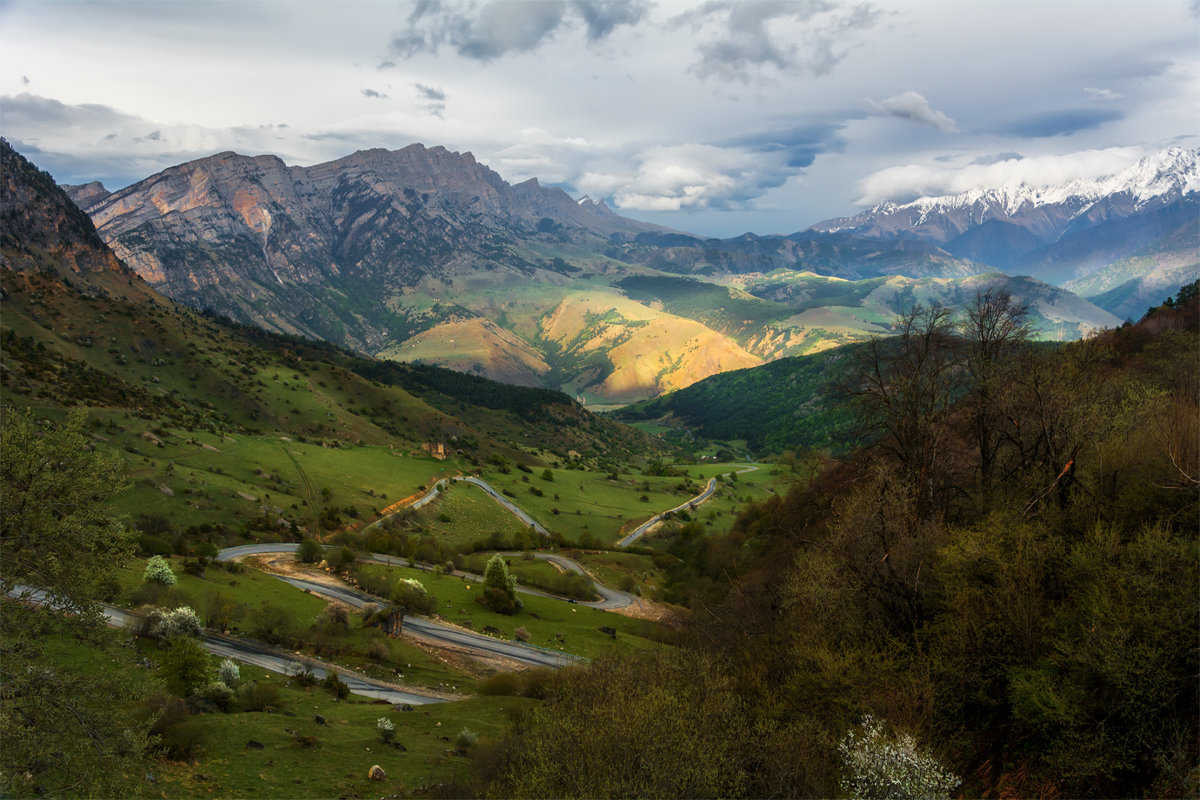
{"x":315,"y":250}
{"x":40,"y":228}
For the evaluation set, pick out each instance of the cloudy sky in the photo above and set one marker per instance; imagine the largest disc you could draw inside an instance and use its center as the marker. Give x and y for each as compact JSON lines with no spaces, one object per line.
{"x":715,"y":117}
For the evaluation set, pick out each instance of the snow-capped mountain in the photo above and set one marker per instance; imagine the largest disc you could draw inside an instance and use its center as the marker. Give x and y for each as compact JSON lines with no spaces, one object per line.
{"x":1057,"y":232}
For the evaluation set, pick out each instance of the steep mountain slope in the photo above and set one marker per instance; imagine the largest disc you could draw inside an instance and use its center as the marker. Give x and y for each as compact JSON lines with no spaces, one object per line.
{"x":40,"y":228}
{"x":1057,"y":233}
{"x":303,"y":249}
{"x":423,"y":255}
{"x":101,"y":337}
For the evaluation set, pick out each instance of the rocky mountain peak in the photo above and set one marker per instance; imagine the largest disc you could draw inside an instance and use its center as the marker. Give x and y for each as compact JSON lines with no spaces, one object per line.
{"x":40,"y":228}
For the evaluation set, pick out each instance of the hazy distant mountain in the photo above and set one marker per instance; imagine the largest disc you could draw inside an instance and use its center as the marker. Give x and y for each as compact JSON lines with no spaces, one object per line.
{"x":1057,"y":233}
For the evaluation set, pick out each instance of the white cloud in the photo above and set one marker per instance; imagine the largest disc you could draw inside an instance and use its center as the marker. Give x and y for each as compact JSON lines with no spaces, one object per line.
{"x":743,"y":39}
{"x":686,"y":178}
{"x":915,"y":108}
{"x":1102,"y":94}
{"x":934,"y":180}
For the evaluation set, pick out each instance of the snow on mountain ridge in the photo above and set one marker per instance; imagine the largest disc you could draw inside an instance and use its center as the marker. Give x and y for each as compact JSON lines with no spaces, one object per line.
{"x":1151,"y":177}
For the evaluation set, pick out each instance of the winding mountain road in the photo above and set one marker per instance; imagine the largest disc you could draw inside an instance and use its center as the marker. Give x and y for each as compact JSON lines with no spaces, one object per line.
{"x":644,"y":528}
{"x":528,"y":654}
{"x":255,"y":653}
{"x":504,"y":501}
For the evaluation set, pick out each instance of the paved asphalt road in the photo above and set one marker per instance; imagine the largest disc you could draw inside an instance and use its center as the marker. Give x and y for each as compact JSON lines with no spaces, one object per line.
{"x":641,"y":530}
{"x":251,"y":652}
{"x":504,"y":501}
{"x":419,"y":626}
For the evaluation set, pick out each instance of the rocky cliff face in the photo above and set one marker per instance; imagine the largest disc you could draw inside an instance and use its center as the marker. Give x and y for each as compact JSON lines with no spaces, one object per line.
{"x":40,"y":228}
{"x":305,"y":249}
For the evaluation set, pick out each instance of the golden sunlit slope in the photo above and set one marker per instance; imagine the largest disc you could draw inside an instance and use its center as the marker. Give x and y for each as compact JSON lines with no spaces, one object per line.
{"x":648,"y":351}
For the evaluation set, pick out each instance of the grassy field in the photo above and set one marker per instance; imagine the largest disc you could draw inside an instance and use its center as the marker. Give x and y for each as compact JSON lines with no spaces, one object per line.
{"x":335,"y":762}
{"x":463,"y":513}
{"x":196,"y":478}
{"x":627,"y":571}
{"x":555,"y":624}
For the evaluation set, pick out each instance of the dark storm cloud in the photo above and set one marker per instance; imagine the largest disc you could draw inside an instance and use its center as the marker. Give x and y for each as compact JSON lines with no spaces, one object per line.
{"x":25,"y":111}
{"x":374,"y":94}
{"x":739,"y":38}
{"x":1062,"y":122}
{"x":434,"y":99}
{"x":800,"y":145}
{"x":494,"y":29}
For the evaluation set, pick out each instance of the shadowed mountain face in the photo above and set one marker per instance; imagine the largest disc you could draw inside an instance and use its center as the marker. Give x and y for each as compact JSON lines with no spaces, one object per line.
{"x":77,"y":327}
{"x":425,"y":255}
{"x":315,"y":250}
{"x":40,"y":228}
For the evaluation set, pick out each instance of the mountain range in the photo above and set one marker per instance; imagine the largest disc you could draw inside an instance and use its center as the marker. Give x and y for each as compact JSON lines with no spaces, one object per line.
{"x":80,"y":327}
{"x":422,"y":254}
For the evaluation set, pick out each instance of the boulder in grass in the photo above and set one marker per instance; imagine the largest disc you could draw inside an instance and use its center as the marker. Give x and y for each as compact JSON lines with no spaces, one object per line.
{"x":376,"y":773}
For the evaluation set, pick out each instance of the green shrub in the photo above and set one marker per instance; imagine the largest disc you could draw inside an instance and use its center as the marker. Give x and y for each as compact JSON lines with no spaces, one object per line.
{"x":336,"y":686}
{"x":184,"y":666}
{"x":502,"y":684}
{"x":500,"y":588}
{"x":377,"y":650}
{"x":310,"y":550}
{"x":158,"y":570}
{"x":466,"y":739}
{"x":217,"y":694}
{"x":260,"y":696}
{"x":272,"y":624}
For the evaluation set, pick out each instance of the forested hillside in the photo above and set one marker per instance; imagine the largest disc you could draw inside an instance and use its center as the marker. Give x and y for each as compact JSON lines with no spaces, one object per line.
{"x":997,"y":598}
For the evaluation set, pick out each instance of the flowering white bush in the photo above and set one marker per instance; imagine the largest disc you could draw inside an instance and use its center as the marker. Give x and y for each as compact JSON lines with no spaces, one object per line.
{"x":180,"y":621}
{"x":882,"y":766}
{"x":387,"y":730}
{"x":158,"y":570}
{"x":412,"y":585}
{"x":229,"y":673}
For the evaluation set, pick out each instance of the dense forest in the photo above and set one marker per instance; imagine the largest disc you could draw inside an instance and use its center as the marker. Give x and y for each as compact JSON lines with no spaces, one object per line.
{"x":996,"y":598}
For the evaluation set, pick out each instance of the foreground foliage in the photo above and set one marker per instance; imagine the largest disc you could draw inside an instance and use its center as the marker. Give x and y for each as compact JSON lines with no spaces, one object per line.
{"x":60,"y":669}
{"x":1008,"y":576}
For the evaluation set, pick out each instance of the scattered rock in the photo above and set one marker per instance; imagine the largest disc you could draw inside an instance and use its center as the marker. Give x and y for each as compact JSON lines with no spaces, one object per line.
{"x":254,"y":744}
{"x":200,"y":776}
{"x":438,"y":725}
{"x":403,"y":707}
{"x":317,"y":718}
{"x":490,"y":629}
{"x":376,"y":773}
